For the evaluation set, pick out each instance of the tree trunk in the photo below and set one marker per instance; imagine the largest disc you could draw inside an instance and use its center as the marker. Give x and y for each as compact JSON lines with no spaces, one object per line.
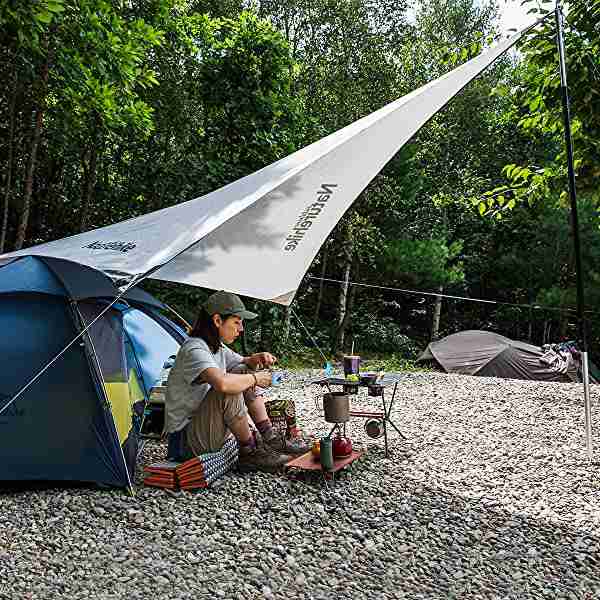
{"x":437,"y":311}
{"x":563,"y":327}
{"x":261,"y":325}
{"x":35,"y":141}
{"x":287,"y":321}
{"x":90,"y":184}
{"x":348,"y":313}
{"x":343,"y":300}
{"x":321,"y":282}
{"x":9,"y":166}
{"x":546,"y":336}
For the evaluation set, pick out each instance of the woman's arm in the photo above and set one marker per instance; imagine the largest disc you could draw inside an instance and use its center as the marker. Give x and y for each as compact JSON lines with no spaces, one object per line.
{"x":233,"y":383}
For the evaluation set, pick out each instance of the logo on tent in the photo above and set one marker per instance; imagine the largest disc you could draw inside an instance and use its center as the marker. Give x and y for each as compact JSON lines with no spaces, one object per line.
{"x":118,"y":246}
{"x":308,"y":217}
{"x":11,"y":411}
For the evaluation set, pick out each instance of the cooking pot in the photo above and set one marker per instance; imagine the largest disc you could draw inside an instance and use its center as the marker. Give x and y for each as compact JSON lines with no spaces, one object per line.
{"x":336,"y":406}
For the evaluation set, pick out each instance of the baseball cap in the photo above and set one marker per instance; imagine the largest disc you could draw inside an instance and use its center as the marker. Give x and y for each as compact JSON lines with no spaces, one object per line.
{"x":226,"y":303}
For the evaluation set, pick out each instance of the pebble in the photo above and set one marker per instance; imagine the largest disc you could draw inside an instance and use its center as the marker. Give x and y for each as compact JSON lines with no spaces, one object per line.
{"x":490,"y":495}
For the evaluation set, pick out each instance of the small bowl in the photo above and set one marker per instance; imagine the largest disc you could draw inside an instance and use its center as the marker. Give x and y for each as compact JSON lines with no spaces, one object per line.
{"x":368,"y":378}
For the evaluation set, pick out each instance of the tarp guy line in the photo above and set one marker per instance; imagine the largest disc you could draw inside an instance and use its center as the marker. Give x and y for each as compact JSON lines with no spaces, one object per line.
{"x":441,"y":295}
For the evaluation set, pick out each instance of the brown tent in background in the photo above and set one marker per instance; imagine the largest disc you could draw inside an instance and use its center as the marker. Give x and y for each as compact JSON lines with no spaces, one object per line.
{"x":492,"y":355}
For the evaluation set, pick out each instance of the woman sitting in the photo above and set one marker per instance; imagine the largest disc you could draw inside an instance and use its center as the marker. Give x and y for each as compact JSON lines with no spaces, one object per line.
{"x":211,"y":390}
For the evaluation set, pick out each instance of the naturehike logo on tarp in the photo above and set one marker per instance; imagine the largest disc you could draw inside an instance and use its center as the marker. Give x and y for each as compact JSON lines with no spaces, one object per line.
{"x":118,"y":246}
{"x":308,"y":216}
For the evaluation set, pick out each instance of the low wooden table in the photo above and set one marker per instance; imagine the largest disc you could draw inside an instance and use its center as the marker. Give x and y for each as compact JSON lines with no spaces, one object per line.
{"x":307,"y":462}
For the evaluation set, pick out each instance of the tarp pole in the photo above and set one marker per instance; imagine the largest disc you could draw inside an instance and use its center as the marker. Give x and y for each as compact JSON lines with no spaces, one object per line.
{"x":588,"y":404}
{"x":574,"y":224}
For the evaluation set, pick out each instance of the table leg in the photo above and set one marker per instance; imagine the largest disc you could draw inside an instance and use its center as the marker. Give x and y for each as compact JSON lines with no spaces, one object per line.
{"x":399,"y":432}
{"x":385,"y":418}
{"x":387,"y":415}
{"x":389,"y":411}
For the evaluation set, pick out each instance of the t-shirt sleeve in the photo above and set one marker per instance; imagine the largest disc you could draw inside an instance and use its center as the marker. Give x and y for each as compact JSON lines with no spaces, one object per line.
{"x":232,"y":359}
{"x":197,"y":359}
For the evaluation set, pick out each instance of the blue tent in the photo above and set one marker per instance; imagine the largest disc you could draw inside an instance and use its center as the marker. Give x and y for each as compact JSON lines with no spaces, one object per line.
{"x":80,"y":419}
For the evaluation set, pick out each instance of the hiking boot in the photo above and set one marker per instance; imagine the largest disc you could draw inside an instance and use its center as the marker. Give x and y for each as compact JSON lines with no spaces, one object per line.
{"x":279,"y":443}
{"x":261,"y":459}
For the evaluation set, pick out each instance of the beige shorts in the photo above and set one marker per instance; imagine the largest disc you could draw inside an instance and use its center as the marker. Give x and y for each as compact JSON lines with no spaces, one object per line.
{"x":209,"y":426}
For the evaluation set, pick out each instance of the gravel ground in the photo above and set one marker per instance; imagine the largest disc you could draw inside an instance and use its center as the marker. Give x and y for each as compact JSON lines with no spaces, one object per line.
{"x":490,"y":496}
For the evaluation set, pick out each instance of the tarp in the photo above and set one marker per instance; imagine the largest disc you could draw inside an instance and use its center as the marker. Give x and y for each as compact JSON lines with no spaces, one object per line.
{"x":490,"y":354}
{"x":258,"y":235}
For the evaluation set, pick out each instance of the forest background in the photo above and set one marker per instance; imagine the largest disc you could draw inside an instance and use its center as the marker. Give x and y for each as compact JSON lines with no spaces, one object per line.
{"x":111,"y":109}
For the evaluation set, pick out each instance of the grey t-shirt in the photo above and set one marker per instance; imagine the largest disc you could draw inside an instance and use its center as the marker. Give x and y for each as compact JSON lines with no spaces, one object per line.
{"x":184,"y":396}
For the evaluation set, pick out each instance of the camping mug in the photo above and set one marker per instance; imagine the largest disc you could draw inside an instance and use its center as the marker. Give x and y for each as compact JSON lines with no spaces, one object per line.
{"x":326,"y":453}
{"x":351,"y":365}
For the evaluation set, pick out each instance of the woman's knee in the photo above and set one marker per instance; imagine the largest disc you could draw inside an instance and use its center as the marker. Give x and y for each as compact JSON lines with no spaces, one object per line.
{"x":234,"y":406}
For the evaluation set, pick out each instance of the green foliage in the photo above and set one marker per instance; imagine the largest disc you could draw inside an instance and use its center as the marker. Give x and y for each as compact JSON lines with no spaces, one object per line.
{"x":557,"y":297}
{"x":390,"y":363}
{"x":426,"y":263}
{"x":245,"y":77}
{"x":295,"y":360}
{"x":539,"y":111}
{"x":374,"y":333}
{"x":153,"y":102}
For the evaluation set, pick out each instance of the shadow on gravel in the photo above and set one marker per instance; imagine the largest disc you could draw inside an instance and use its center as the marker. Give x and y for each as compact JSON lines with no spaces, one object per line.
{"x":423,"y":542}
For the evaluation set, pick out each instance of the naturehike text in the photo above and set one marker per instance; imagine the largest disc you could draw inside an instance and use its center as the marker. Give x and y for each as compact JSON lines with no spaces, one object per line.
{"x":118,"y":246}
{"x":308,"y":216}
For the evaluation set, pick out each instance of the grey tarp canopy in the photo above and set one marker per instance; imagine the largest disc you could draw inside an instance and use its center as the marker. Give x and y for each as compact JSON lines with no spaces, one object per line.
{"x":489,"y":354}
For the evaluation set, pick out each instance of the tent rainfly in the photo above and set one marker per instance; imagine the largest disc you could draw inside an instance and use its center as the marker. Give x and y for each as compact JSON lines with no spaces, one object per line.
{"x":80,"y":420}
{"x":277,"y":217}
{"x":492,"y":355}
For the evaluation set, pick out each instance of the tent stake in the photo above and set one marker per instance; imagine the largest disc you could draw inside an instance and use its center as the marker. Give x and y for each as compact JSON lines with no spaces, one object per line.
{"x":574,"y":224}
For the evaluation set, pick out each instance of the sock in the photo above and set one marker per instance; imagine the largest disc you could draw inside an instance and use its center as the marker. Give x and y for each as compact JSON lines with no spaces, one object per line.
{"x":264,"y":427}
{"x":250,"y":443}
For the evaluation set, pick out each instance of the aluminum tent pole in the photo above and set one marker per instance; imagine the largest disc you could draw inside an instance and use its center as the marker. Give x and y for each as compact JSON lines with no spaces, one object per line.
{"x":575,"y":225}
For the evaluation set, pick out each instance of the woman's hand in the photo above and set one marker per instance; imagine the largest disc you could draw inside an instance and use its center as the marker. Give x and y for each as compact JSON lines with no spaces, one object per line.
{"x":263,"y":378}
{"x":261,"y":360}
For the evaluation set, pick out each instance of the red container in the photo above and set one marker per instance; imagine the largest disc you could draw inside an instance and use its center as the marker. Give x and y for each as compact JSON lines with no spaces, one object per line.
{"x":341,"y":447}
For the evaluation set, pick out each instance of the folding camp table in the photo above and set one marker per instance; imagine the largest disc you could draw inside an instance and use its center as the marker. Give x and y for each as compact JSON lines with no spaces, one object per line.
{"x":383,"y":414}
